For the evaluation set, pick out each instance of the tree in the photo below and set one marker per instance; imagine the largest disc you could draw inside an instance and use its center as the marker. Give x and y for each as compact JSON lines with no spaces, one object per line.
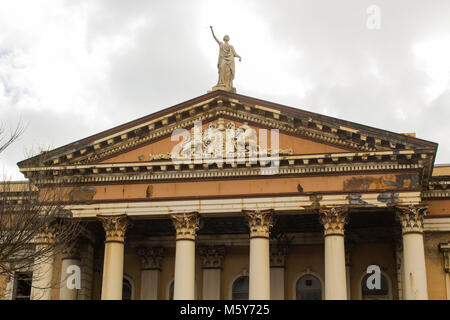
{"x":34,"y":226}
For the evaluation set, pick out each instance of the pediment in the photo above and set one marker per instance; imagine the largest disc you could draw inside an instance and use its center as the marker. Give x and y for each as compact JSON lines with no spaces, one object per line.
{"x":285,"y":145}
{"x":305,"y":133}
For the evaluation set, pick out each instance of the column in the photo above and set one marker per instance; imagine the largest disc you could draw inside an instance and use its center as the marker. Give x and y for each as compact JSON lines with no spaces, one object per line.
{"x":414,"y":272}
{"x":333,"y":220}
{"x":278,"y":253}
{"x":150,"y":271}
{"x":259,"y":223}
{"x":186,"y":226}
{"x":43,"y":266}
{"x":445,"y":249}
{"x":212,"y":259}
{"x":112,"y":282}
{"x":70,"y":257}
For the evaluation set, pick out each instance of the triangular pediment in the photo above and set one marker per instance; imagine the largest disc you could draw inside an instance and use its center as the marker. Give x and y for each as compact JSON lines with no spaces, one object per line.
{"x":303,"y":132}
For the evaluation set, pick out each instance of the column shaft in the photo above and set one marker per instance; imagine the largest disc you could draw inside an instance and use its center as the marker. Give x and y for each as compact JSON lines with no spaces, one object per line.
{"x":211,"y":284}
{"x":184,"y":285}
{"x":335,"y":273}
{"x":112,"y":281}
{"x":42,"y":278}
{"x":150,"y":284}
{"x":259,"y":269}
{"x":277,"y":283}
{"x":42,"y":281}
{"x":333,"y":220}
{"x":414,"y":276}
{"x":186,"y":226}
{"x":260,"y":223}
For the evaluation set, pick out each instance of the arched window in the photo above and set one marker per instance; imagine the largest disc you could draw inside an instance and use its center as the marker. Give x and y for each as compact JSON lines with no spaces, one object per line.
{"x":376,"y":294}
{"x":309,"y":288}
{"x":127,"y":289}
{"x":240,"y":288}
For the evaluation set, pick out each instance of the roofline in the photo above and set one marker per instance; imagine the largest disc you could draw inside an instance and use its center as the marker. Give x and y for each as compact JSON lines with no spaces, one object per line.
{"x":242,"y":98}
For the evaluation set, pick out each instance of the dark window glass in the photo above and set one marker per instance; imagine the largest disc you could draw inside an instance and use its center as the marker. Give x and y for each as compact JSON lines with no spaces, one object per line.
{"x":240,"y":289}
{"x":126,"y":289}
{"x":23,"y":286}
{"x":309,"y":288}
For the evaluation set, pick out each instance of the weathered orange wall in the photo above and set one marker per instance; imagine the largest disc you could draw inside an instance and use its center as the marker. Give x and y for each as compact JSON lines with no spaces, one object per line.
{"x":438,"y":207}
{"x":243,"y":187}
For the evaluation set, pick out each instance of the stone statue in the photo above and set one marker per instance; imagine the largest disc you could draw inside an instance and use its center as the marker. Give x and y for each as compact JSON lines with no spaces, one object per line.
{"x":225,"y":64}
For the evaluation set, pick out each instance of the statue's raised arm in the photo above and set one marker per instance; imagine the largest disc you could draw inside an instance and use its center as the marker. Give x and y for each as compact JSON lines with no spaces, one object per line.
{"x":214,"y":36}
{"x":225,"y":64}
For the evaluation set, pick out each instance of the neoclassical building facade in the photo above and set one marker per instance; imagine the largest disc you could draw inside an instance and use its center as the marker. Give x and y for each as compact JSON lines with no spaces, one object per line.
{"x":230,"y":197}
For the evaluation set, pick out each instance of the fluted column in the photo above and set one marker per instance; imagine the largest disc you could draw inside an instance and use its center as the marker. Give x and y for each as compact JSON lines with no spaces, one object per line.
{"x":278,"y":255}
{"x":414,"y":277}
{"x":333,"y":221}
{"x":43,"y":266}
{"x":115,"y":228}
{"x":186,"y":226}
{"x":259,"y":223}
{"x":212,"y":259}
{"x":150,"y":271}
{"x":70,"y":257}
{"x":445,"y":249}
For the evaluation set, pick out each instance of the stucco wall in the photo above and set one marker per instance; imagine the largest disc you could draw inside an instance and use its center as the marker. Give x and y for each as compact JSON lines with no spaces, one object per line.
{"x":434,"y":260}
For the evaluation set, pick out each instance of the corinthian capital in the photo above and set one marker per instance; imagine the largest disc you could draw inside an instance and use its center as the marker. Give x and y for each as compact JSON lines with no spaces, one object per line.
{"x":259,"y":222}
{"x":150,"y":257}
{"x":115,"y":227}
{"x":47,"y":234}
{"x":212,"y":257}
{"x":333,"y":220}
{"x":186,"y":225}
{"x":411,"y":218}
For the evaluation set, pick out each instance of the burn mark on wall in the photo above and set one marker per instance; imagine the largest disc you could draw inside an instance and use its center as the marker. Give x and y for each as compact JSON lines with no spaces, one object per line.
{"x":82,"y":194}
{"x":399,"y":181}
{"x":388,"y":197}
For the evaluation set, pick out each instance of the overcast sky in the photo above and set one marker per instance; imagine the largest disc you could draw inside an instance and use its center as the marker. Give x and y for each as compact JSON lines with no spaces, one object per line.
{"x":70,"y":69}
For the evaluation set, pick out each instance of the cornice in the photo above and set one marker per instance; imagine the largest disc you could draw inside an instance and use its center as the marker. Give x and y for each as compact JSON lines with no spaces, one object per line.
{"x":324,"y":164}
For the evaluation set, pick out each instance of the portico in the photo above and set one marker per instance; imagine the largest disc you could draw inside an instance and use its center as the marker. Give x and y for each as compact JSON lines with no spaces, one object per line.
{"x":256,"y":220}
